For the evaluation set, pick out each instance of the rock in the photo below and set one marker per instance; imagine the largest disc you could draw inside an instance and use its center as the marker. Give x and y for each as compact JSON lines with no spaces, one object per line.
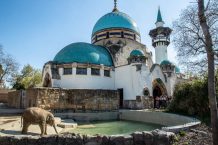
{"x":128,"y":140}
{"x":92,"y":140}
{"x":200,"y":132}
{"x":5,"y":141}
{"x":105,"y":140}
{"x":116,"y":140}
{"x":138,"y":138}
{"x":32,"y":140}
{"x":47,"y":140}
{"x":67,"y":123}
{"x":171,"y":136}
{"x":70,"y":139}
{"x":161,"y":137}
{"x":148,"y":138}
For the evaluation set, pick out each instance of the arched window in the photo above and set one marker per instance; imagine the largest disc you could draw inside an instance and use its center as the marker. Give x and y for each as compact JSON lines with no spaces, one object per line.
{"x":146,"y":92}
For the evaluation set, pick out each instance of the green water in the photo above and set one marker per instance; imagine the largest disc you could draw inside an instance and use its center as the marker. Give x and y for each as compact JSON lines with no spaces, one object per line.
{"x":114,"y":127}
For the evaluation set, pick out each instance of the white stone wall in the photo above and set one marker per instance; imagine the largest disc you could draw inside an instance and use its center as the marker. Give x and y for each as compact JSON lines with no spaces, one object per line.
{"x":133,"y":82}
{"x":126,"y":79}
{"x":75,"y":81}
{"x":173,"y":82}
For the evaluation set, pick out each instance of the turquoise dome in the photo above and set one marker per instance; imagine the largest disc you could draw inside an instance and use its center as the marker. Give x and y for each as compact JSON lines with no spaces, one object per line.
{"x":84,"y":53}
{"x":137,"y":52}
{"x":165,"y":62}
{"x":115,"y":19}
{"x":177,"y":69}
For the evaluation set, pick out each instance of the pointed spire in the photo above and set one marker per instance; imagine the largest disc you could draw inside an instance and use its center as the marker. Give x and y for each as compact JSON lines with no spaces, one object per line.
{"x":159,"y":22}
{"x":159,"y":17}
{"x":115,"y":6}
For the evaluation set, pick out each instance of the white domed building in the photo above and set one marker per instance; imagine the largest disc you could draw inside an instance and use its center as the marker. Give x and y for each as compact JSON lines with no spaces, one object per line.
{"x":116,"y":60}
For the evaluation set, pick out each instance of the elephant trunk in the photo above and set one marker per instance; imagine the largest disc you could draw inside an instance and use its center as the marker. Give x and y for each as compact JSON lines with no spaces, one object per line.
{"x":55,"y":129}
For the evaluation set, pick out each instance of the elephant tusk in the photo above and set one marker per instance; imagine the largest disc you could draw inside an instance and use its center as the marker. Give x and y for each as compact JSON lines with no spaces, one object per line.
{"x":55,"y":129}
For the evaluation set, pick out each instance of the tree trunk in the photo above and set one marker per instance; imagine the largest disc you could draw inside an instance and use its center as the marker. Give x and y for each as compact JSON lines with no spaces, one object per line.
{"x":211,"y":70}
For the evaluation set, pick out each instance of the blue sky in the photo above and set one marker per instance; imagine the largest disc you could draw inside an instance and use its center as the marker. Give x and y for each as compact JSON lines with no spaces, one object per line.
{"x":33,"y":31}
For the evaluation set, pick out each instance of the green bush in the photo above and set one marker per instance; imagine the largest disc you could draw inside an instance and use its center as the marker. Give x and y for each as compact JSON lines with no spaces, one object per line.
{"x":182,"y":133}
{"x":191,"y":98}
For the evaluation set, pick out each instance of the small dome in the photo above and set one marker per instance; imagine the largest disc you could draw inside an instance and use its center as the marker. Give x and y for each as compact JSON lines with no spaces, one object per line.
{"x":84,"y":53}
{"x":165,"y":62}
{"x":137,"y":52}
{"x":115,"y":19}
{"x":177,"y":69}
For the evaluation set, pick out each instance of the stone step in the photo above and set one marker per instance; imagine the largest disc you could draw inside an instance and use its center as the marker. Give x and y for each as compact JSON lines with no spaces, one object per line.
{"x":67,"y":123}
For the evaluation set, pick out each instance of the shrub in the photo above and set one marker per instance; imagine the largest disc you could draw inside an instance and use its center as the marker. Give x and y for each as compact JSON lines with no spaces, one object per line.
{"x":191,"y":98}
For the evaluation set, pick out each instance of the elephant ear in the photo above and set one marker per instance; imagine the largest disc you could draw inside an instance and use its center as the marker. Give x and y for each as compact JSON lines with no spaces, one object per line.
{"x":50,"y":119}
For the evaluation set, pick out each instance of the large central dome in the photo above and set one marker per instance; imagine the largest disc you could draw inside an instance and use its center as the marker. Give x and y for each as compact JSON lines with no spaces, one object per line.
{"x":115,"y":19}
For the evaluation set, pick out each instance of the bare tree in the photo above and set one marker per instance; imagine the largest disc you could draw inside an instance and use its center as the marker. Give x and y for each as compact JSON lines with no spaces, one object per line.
{"x":189,"y":38}
{"x":196,"y":37}
{"x":8,"y":67}
{"x":211,"y":52}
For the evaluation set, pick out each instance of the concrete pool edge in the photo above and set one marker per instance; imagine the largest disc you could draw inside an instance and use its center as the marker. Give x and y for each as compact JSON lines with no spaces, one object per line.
{"x":173,"y":122}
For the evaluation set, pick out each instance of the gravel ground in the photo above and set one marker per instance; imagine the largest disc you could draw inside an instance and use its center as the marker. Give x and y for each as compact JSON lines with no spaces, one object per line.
{"x":200,"y":135}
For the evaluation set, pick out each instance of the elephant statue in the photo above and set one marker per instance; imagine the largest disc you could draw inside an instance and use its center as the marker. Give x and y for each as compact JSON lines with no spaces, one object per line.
{"x":38,"y":116}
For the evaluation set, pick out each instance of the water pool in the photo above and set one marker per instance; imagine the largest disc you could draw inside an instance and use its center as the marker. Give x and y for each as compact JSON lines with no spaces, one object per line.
{"x":114,"y":127}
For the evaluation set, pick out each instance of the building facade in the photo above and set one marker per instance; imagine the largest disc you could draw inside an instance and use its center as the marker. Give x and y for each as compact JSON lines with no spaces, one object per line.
{"x":117,"y":60}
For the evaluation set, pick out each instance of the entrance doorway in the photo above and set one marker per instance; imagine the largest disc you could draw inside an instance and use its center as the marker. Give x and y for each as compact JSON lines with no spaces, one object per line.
{"x":156,"y":93}
{"x":159,"y":90}
{"x":121,"y":98}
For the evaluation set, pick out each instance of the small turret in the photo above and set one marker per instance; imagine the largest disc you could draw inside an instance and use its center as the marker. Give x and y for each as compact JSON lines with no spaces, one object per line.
{"x":167,"y":67}
{"x":137,"y":56}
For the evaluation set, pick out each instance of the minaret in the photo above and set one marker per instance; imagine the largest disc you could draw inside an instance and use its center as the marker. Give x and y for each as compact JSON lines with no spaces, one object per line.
{"x":160,"y":39}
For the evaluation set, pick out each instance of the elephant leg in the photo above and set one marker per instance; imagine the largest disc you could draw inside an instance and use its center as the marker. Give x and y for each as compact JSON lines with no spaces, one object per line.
{"x":25,"y":127}
{"x":42,"y":127}
{"x":45,"y":129}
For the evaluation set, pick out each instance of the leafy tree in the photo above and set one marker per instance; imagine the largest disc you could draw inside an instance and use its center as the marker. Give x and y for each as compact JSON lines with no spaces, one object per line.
{"x":8,"y":67}
{"x":28,"y":78}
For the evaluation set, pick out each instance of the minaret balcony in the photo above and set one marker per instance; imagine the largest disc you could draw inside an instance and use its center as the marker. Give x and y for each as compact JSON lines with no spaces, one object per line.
{"x":161,"y":38}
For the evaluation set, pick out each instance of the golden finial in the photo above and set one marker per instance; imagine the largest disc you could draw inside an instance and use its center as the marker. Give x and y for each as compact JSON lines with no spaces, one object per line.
{"x":115,"y":6}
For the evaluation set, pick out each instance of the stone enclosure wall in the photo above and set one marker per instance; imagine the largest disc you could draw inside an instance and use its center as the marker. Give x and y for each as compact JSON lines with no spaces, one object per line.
{"x":156,"y":137}
{"x":4,"y":95}
{"x":65,"y":99}
{"x":141,"y":102}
